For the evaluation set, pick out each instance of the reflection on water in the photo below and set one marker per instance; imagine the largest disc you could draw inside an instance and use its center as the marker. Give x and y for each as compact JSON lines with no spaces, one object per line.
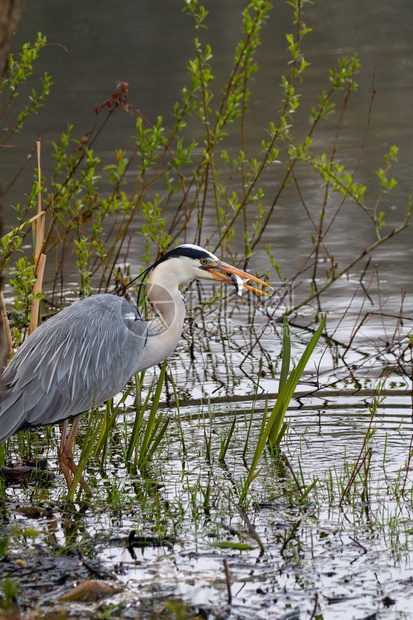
{"x":149,"y":45}
{"x":317,"y":551}
{"x":314,"y":551}
{"x":340,"y":555}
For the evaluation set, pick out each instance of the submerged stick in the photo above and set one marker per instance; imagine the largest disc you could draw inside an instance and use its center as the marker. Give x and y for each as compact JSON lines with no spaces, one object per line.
{"x":228,"y":581}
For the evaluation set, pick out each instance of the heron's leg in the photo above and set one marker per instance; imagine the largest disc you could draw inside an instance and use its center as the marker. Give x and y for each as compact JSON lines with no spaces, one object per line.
{"x":65,"y":454}
{"x":62,"y":457}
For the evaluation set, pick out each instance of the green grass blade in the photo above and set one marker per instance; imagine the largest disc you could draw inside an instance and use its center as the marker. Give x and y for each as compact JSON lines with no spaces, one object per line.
{"x":292,"y":383}
{"x":308,"y":489}
{"x":150,"y":425}
{"x":274,"y":438}
{"x":276,"y":418}
{"x":110,"y":417}
{"x":236,"y":546}
{"x":227,"y":441}
{"x":178,"y":415}
{"x":286,"y":353}
{"x":137,"y":425}
{"x":157,"y":440}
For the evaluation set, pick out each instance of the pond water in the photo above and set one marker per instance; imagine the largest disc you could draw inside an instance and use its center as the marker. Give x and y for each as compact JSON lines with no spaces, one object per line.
{"x":348,"y":561}
{"x":343,"y":551}
{"x":148,"y":45}
{"x":321,"y":558}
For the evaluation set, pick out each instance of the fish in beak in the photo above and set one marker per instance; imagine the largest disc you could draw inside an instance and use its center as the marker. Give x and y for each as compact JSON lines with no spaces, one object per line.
{"x":237,"y":277}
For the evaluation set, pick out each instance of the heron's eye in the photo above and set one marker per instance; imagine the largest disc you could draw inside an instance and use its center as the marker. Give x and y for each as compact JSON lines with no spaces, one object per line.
{"x":204,"y":261}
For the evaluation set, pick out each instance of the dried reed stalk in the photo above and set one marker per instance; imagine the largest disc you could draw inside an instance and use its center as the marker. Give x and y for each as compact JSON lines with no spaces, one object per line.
{"x":32,"y":219}
{"x":6,"y":325}
{"x":34,"y":312}
{"x":39,"y":258}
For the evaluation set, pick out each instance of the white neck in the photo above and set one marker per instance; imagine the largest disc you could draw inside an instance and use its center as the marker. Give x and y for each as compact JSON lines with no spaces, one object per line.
{"x":167,"y":299}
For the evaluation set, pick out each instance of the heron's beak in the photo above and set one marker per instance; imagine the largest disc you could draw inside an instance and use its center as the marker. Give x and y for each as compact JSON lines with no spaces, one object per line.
{"x":246,"y":277}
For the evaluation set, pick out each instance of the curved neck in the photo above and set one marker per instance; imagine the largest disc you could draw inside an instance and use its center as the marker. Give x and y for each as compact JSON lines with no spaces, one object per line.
{"x":164,"y":333}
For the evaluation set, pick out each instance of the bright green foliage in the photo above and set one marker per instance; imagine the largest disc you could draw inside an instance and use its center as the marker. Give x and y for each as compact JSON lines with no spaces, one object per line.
{"x":84,"y":253}
{"x":19,"y":71}
{"x":22,"y":280}
{"x":9,"y":589}
{"x":153,"y":228}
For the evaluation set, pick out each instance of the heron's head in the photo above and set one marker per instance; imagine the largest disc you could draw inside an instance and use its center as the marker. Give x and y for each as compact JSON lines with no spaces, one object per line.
{"x":190,"y":262}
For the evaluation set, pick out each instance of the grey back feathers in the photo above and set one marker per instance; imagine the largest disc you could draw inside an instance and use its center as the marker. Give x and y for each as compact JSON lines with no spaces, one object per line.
{"x":76,"y":360}
{"x":88,"y":352}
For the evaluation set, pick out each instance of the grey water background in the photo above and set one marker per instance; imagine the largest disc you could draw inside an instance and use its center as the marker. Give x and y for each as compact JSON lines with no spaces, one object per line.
{"x":93,"y":45}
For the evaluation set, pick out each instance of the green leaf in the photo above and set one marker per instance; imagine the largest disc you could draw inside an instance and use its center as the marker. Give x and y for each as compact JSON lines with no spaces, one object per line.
{"x":232,"y":545}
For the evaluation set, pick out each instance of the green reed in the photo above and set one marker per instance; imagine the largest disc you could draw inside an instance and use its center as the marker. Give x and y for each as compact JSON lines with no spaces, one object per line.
{"x":274,"y":429}
{"x":148,"y":433}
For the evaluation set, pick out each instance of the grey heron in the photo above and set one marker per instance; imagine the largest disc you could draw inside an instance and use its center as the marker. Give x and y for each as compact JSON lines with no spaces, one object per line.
{"x":87,"y":353}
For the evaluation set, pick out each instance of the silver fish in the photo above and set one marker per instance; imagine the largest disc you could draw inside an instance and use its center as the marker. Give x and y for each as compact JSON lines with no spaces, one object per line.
{"x":238,"y":283}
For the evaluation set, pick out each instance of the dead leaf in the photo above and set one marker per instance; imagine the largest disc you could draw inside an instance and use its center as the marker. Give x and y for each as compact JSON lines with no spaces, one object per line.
{"x":90,"y":590}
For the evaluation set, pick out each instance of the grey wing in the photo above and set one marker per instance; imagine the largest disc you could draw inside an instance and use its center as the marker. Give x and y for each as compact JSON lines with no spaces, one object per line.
{"x":72,"y":362}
